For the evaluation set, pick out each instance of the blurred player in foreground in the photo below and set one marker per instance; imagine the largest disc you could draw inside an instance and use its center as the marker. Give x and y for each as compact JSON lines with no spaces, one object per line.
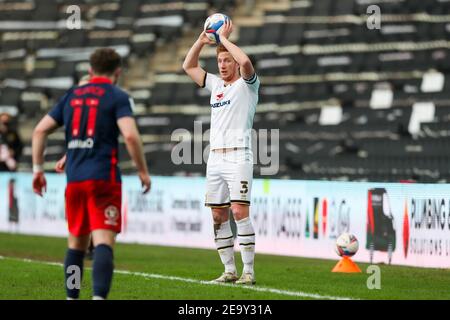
{"x":93,"y":116}
{"x":229,"y":173}
{"x":61,"y":165}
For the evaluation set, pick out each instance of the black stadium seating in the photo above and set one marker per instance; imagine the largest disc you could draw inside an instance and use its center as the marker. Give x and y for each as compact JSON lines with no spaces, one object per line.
{"x":309,"y":56}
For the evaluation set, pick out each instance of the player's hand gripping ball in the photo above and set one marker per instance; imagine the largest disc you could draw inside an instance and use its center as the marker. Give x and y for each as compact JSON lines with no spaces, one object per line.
{"x":213,"y":25}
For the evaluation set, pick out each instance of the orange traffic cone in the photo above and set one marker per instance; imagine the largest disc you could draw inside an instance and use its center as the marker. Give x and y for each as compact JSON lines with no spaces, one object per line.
{"x":346,"y":265}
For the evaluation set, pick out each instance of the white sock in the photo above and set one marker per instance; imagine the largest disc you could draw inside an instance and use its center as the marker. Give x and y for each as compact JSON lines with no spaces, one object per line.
{"x":225,"y":245}
{"x":97,"y":298}
{"x":246,"y":238}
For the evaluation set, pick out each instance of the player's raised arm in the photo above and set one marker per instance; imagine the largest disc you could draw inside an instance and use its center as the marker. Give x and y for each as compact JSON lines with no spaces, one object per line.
{"x":191,"y":65}
{"x":130,"y":133}
{"x":46,"y":126}
{"x":246,"y":66}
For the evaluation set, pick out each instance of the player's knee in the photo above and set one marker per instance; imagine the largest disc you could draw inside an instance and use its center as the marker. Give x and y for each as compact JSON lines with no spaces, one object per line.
{"x":78,"y":243}
{"x":240,"y":211}
{"x":220,"y":215}
{"x":106,"y":237}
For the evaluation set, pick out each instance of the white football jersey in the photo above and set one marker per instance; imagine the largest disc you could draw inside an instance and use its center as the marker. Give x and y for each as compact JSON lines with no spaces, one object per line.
{"x":232,"y":111}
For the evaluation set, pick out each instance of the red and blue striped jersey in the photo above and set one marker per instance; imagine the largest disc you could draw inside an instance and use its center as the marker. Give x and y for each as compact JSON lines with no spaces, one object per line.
{"x":89,"y":114}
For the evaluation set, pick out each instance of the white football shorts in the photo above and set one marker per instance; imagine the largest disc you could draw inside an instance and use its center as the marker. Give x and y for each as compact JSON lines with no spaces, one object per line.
{"x":229,"y":177}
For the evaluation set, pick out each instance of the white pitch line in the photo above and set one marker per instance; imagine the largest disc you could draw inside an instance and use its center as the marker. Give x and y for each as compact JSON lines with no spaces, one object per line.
{"x":188,"y":280}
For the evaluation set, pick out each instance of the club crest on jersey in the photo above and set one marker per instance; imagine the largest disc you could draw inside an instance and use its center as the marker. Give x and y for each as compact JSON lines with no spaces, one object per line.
{"x":219,"y":96}
{"x":111,"y":215}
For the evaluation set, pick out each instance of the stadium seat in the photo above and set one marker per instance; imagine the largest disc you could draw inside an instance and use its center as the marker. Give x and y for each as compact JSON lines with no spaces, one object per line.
{"x":303,"y":66}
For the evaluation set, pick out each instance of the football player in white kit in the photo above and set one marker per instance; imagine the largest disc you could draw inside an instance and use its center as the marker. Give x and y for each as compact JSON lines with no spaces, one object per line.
{"x":229,"y":173}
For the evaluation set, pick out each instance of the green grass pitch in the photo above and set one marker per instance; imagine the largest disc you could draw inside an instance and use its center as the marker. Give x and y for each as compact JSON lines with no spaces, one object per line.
{"x":154,"y":272}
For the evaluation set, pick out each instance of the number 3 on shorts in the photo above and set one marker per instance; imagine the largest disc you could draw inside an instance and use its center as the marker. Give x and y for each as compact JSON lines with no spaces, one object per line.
{"x":244,"y":187}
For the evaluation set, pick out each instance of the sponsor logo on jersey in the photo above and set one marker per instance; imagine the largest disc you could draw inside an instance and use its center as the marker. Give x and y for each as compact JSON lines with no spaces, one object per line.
{"x":81,"y":144}
{"x":220,"y":104}
{"x":219,"y":96}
